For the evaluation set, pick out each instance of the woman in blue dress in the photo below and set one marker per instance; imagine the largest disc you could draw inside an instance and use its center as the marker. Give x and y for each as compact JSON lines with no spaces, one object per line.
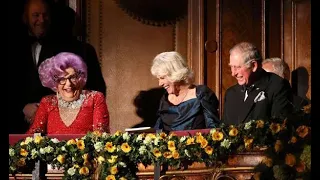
{"x":184,"y":106}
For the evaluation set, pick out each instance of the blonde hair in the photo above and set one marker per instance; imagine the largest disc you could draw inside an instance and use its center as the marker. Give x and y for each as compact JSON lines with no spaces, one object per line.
{"x":173,"y":66}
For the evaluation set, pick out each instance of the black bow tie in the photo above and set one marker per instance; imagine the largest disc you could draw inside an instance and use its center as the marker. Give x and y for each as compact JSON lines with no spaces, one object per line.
{"x":33,"y":40}
{"x":247,"y":88}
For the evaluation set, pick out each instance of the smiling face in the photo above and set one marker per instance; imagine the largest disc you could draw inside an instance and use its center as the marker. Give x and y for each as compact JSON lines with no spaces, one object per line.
{"x":169,"y":86}
{"x":241,"y":70}
{"x":69,"y":86}
{"x":37,"y":18}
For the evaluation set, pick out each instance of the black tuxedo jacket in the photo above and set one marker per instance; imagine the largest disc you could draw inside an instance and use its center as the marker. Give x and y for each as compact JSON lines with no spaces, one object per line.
{"x":271,"y":96}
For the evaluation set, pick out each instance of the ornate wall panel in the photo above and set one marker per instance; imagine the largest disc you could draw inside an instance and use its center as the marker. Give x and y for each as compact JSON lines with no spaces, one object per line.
{"x":126,"y":48}
{"x":297,"y":44}
{"x":238,"y":21}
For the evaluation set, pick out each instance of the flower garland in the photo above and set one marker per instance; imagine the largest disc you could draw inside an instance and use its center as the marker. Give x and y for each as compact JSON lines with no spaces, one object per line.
{"x":116,"y":156}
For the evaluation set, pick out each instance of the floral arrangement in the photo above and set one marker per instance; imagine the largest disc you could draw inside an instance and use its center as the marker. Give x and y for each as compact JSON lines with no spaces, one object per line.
{"x":115,"y":156}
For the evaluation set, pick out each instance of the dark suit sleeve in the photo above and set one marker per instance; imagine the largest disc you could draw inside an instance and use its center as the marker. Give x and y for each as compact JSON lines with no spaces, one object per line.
{"x":210,"y":105}
{"x":159,"y":124}
{"x":281,"y":103}
{"x":95,"y":78}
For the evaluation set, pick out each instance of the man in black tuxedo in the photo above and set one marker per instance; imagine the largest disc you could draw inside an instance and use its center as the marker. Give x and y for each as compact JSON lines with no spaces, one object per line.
{"x":38,"y":42}
{"x":258,"y":94}
{"x":29,"y":51}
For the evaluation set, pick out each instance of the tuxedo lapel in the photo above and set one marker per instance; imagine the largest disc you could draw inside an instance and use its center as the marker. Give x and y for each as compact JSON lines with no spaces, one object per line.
{"x":46,"y":52}
{"x":249,"y":105}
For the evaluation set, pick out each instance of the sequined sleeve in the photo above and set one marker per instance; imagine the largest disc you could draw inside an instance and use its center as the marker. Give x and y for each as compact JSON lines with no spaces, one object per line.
{"x":100,"y":114}
{"x":40,"y":120}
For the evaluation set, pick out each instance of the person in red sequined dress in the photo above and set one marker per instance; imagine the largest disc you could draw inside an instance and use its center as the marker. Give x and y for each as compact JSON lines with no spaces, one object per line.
{"x":72,"y":110}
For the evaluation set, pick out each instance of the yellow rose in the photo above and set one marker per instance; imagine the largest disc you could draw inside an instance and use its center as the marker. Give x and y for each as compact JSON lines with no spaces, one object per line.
{"x":302,"y":131}
{"x":175,"y":154}
{"x":275,"y":128}
{"x":125,"y":147}
{"x":123,"y":178}
{"x":113,"y":159}
{"x":110,"y":147}
{"x":23,"y":152}
{"x":290,"y":159}
{"x":80,"y":144}
{"x":167,"y":155}
{"x":71,"y":141}
{"x":163,"y":135}
{"x":217,"y":136}
{"x":38,"y":139}
{"x":208,"y":150}
{"x":85,"y":157}
{"x":307,"y":109}
{"x":278,"y":146}
{"x":204,"y":143}
{"x":84,"y":171}
{"x":156,"y":152}
{"x":97,"y":133}
{"x":190,"y":141}
{"x":171,"y":146}
{"x":118,"y":133}
{"x":293,"y":140}
{"x":248,"y":143}
{"x":151,"y":136}
{"x":114,"y":170}
{"x":61,"y":159}
{"x":233,"y":132}
{"x":110,"y":177}
{"x":260,"y":124}
{"x":199,"y":137}
{"x":21,"y":162}
{"x":101,"y":159}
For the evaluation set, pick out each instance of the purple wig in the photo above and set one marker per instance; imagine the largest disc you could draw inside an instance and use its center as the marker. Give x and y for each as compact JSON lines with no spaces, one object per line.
{"x":54,"y":67}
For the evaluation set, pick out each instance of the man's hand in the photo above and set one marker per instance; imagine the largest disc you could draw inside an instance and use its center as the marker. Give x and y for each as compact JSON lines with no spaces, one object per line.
{"x":29,"y":111}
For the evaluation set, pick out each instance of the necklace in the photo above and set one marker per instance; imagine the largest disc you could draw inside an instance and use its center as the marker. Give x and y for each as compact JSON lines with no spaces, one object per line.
{"x":185,"y":95}
{"x":177,"y":99}
{"x":73,"y":104}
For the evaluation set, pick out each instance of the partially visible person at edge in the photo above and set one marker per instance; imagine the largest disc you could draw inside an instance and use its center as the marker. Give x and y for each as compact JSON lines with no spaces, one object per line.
{"x":258,"y":94}
{"x":277,"y":66}
{"x":184,"y":106}
{"x":72,"y":110}
{"x":281,"y":68}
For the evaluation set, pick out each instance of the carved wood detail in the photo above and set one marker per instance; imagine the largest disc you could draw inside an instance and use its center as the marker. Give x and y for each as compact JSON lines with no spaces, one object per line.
{"x":196,"y":39}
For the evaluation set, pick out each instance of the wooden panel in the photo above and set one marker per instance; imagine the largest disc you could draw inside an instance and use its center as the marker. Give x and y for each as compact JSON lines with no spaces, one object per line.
{"x":126,"y":48}
{"x":196,"y":39}
{"x":273,"y":28}
{"x":297,"y":44}
{"x":212,"y":59}
{"x":240,"y":21}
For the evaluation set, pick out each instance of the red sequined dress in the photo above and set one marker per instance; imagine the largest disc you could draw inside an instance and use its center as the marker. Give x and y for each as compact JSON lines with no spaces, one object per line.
{"x":53,"y":118}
